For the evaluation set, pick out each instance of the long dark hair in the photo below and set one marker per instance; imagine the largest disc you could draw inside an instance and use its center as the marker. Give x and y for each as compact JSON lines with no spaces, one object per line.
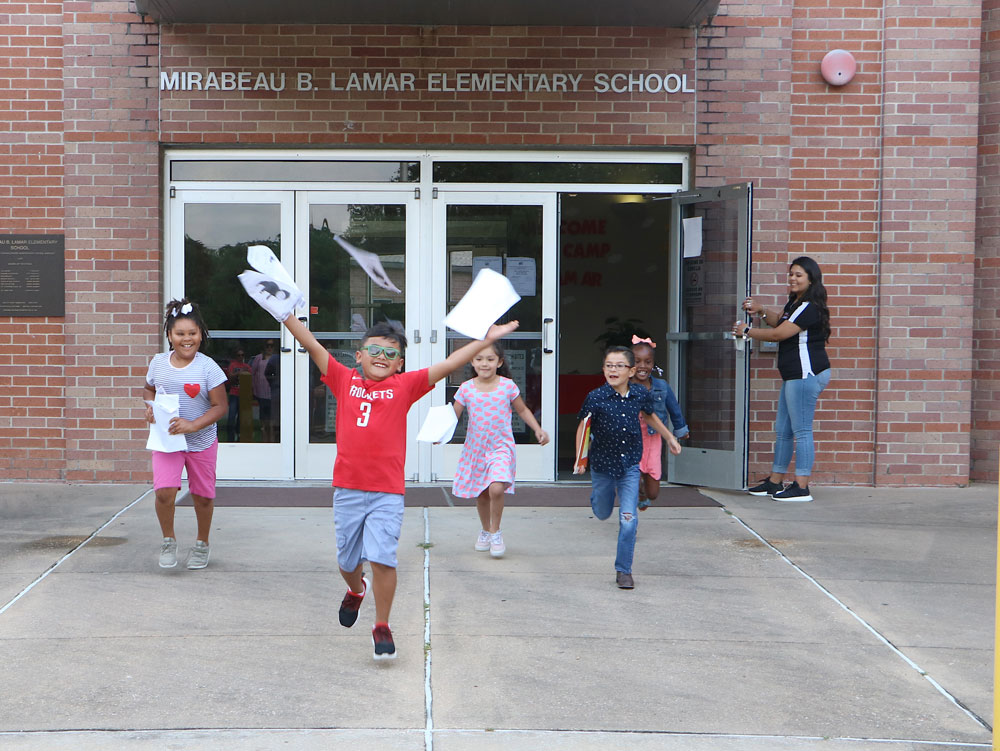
{"x":176,"y":311}
{"x":502,"y":370}
{"x":816,"y":294}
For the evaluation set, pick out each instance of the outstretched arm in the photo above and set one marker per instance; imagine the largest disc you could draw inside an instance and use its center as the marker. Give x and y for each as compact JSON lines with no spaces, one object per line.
{"x":657,"y":424}
{"x":463,"y":355}
{"x":309,"y":343}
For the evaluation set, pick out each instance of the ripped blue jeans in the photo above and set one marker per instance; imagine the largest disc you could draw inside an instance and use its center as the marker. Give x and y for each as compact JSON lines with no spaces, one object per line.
{"x":602,"y":501}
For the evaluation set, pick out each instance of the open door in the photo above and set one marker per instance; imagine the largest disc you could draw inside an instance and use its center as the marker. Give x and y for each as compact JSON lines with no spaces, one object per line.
{"x":709,"y":279}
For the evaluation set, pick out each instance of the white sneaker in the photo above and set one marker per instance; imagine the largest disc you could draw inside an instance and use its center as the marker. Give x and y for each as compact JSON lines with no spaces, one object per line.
{"x":198,"y":557}
{"x":483,"y":543}
{"x":168,"y":553}
{"x":497,"y":548}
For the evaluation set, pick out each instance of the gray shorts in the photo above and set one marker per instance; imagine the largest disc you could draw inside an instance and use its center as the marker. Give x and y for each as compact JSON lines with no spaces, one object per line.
{"x":368,"y":526}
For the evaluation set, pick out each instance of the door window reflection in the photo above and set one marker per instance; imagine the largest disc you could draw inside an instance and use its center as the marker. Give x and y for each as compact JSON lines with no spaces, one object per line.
{"x":243,"y":337}
{"x":357,"y":277}
{"x":508,"y":240}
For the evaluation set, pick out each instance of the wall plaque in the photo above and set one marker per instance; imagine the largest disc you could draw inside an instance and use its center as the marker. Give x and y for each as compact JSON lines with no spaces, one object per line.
{"x":32,"y":275}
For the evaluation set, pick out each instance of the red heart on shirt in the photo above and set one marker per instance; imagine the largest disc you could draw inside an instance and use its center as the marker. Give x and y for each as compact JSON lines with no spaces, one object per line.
{"x":192,"y":389}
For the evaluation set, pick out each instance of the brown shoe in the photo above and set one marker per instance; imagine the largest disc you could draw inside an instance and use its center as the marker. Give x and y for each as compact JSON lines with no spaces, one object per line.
{"x":624,"y":580}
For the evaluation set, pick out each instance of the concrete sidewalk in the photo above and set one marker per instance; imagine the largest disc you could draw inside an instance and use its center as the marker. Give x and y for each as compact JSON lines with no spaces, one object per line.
{"x":861,"y":621}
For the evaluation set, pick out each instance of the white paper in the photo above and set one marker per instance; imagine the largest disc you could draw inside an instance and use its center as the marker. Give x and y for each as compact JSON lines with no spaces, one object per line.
{"x":271,"y":286}
{"x":370,"y":263}
{"x":439,"y":426}
{"x":262,"y":258}
{"x":490,"y":296}
{"x":276,"y":297}
{"x":165,"y":408}
{"x":521,"y":272}
{"x":487,"y":262}
{"x":692,"y":237}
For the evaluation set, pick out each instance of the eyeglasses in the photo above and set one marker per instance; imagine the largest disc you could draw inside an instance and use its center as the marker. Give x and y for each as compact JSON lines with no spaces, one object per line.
{"x":616,"y":366}
{"x":391,"y":353}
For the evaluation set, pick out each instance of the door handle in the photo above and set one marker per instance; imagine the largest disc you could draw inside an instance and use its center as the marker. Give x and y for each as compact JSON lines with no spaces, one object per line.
{"x":546,"y":324}
{"x":305,"y":322}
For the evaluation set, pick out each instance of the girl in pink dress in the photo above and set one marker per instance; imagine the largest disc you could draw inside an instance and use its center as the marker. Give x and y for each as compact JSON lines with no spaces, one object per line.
{"x":487,"y":465}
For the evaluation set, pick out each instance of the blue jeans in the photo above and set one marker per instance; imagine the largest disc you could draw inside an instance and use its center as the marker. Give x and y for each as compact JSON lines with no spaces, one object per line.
{"x":793,"y":428}
{"x":602,"y":501}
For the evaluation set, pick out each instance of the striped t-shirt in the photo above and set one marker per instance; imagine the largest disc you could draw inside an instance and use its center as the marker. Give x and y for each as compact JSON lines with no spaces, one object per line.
{"x":805,"y":353}
{"x":192,"y":385}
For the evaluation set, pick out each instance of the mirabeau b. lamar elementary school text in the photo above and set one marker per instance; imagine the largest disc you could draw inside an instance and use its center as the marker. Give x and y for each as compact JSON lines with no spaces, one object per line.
{"x":390,"y":81}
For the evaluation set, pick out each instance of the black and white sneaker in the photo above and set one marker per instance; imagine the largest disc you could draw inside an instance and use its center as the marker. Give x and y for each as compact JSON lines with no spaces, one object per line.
{"x":766,"y":488}
{"x":793,"y":493}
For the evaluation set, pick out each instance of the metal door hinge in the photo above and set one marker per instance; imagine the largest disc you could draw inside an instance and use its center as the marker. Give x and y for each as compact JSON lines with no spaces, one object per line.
{"x":173,"y":192}
{"x":434,"y":192}
{"x":416,"y":193}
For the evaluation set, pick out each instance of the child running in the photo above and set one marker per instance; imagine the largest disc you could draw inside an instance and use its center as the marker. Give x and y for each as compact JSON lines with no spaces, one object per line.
{"x":486,"y":467}
{"x":664,"y":402}
{"x":371,"y":452}
{"x":616,"y":448}
{"x":200,"y":385}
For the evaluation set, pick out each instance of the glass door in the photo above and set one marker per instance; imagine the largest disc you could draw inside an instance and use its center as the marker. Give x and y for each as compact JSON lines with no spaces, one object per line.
{"x":352,"y":265}
{"x":513,"y":234}
{"x":209,"y":234}
{"x":709,"y":279}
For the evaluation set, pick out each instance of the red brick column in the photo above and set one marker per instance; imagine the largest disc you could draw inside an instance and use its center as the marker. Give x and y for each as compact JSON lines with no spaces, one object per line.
{"x":32,"y":400}
{"x":986,"y":324}
{"x":928,"y":242}
{"x":112,"y":227}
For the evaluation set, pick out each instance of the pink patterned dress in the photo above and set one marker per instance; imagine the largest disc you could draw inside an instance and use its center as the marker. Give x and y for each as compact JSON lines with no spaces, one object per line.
{"x":488,"y":452}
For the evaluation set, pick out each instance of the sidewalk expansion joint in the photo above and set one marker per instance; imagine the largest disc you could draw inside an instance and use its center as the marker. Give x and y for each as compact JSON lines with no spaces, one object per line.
{"x":875,"y":632}
{"x":428,"y":696}
{"x":41,"y":577}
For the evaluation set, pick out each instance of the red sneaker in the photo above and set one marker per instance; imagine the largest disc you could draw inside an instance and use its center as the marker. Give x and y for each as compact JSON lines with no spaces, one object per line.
{"x":350,"y":605}
{"x":385,"y":647}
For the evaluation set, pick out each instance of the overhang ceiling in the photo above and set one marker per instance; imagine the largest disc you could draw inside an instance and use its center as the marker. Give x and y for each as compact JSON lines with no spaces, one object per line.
{"x":659,"y":13}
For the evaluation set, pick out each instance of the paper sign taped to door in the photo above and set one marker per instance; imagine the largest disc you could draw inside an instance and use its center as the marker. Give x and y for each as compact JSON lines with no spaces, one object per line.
{"x":490,"y":296}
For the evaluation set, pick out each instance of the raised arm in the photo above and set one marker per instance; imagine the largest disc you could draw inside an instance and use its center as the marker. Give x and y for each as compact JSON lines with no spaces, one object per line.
{"x":463,"y":355}
{"x":309,"y":342}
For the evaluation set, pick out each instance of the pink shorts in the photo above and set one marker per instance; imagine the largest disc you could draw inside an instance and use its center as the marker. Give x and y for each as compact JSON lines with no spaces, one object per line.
{"x":200,"y":468}
{"x":652,"y":449}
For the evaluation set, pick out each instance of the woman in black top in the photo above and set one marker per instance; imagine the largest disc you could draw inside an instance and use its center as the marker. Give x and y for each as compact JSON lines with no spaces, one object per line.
{"x":801,"y":330}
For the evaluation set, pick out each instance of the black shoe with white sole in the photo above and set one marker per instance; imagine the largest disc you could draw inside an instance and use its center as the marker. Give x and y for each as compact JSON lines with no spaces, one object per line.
{"x":793,"y":493}
{"x":766,"y":488}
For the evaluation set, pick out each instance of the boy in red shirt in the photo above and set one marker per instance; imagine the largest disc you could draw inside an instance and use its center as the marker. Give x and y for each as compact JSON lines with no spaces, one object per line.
{"x":371,"y":450}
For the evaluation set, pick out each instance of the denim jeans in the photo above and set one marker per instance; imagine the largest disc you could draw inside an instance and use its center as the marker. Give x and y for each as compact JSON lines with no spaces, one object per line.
{"x":793,"y":428}
{"x":602,"y":501}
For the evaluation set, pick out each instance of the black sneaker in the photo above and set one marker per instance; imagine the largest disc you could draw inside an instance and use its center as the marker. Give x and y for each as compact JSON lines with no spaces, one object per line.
{"x":350,"y":606}
{"x":766,"y":488}
{"x":385,"y":647}
{"x":793,"y":493}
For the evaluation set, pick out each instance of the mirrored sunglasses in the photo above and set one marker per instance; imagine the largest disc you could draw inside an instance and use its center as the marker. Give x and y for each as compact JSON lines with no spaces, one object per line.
{"x":391,"y":353}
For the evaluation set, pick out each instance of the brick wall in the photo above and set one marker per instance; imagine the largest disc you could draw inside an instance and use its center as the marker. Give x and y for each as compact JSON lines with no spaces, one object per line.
{"x":928,"y":242}
{"x":112,"y":236}
{"x":901,"y":302}
{"x":986,"y":325}
{"x":31,"y":201}
{"x":408,"y":118}
{"x":908,"y":391}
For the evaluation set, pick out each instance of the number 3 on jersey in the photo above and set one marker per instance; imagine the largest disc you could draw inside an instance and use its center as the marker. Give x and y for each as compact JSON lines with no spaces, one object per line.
{"x":366,"y":411}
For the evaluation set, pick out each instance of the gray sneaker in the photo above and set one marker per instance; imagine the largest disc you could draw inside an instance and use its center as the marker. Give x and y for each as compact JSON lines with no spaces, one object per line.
{"x":198,"y":557}
{"x":168,"y":553}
